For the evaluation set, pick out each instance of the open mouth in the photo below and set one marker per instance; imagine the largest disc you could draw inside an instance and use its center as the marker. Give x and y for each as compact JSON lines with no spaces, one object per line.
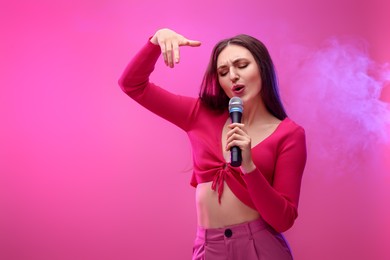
{"x":238,"y":88}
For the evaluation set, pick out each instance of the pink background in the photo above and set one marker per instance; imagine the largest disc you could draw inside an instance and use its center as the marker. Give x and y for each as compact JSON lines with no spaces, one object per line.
{"x":85,"y":173}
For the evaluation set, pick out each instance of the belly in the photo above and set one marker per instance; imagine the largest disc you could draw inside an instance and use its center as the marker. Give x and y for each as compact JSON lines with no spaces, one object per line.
{"x":212,"y":214}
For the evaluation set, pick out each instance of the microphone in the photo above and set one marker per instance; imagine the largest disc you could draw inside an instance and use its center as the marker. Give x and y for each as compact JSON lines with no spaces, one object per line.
{"x":235,"y":111}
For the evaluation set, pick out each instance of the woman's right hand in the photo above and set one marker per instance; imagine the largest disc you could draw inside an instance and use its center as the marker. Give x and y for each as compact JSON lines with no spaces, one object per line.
{"x":169,"y":42}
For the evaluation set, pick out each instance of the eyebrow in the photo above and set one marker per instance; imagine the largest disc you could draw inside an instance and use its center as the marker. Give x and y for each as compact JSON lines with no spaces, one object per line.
{"x":234,"y":63}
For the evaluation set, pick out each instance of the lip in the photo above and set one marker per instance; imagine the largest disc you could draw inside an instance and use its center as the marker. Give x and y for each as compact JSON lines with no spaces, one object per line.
{"x":238,"y":89}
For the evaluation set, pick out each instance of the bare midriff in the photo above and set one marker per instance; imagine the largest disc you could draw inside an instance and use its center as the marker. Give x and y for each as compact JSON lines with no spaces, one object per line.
{"x":212,"y":214}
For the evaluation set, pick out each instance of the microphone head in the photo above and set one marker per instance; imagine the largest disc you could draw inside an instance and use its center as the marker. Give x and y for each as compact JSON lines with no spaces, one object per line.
{"x":236,"y":105}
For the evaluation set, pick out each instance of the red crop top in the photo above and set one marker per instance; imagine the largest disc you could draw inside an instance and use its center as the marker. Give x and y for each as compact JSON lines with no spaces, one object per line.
{"x":272,"y":188}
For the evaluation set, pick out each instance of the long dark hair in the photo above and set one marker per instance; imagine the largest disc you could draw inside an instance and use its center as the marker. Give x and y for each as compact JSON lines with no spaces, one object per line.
{"x":211,"y":92}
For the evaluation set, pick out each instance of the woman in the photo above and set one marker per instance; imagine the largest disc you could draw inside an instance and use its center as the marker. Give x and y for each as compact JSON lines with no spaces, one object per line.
{"x":241,"y":211}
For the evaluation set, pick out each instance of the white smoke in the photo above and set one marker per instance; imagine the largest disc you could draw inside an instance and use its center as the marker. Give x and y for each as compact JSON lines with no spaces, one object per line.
{"x":334,"y":92}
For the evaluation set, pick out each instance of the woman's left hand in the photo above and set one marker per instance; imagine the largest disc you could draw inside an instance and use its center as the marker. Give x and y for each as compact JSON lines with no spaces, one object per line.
{"x":238,"y":136}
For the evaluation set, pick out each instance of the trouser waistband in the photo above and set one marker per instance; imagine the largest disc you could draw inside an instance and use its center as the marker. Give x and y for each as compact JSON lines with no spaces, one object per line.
{"x":230,"y":232}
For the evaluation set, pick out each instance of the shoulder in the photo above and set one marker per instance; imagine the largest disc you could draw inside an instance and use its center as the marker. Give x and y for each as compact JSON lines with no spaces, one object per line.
{"x":289,"y":126}
{"x":289,"y":132}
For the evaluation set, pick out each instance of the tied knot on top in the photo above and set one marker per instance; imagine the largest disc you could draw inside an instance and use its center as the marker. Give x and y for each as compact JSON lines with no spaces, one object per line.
{"x":218,"y":181}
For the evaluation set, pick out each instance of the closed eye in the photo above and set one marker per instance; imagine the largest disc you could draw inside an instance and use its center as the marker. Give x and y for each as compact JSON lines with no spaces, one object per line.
{"x":222,"y":73}
{"x":240,"y":63}
{"x":242,"y":66}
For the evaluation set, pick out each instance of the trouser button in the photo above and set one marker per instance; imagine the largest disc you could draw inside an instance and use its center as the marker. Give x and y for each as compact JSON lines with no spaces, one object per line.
{"x":228,"y":233}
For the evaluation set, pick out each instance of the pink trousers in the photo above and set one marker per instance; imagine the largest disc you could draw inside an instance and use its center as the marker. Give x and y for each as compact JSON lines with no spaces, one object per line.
{"x":249,"y":241}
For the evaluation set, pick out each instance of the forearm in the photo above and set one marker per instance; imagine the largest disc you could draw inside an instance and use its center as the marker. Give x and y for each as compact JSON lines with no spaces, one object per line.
{"x":135,"y":83}
{"x":135,"y":77}
{"x":272,"y":205}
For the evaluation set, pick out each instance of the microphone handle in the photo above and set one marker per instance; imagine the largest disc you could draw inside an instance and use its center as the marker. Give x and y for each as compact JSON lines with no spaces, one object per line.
{"x":235,"y":156}
{"x":236,"y":117}
{"x":235,"y":151}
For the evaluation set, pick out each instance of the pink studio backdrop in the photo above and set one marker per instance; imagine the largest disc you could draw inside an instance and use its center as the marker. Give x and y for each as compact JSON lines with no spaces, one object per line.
{"x":85,"y":173}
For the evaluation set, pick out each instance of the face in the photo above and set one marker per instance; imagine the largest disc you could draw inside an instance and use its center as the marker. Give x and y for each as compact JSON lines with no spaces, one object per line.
{"x":238,"y":73}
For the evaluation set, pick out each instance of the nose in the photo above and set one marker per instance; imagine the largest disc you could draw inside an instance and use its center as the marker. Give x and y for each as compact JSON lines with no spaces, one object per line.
{"x":233,"y":74}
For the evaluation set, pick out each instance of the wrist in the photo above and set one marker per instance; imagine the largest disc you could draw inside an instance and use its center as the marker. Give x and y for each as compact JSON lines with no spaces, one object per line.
{"x":153,"y":40}
{"x":248,"y":168}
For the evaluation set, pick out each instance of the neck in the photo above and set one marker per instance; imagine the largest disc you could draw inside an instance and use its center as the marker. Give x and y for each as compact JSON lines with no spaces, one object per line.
{"x":255,"y":111}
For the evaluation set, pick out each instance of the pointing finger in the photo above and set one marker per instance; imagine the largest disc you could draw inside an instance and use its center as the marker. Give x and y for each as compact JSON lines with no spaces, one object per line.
{"x":190,"y":43}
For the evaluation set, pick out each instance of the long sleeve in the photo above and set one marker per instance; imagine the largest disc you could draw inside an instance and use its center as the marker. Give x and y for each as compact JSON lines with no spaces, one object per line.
{"x":278,"y":202}
{"x":135,"y":83}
